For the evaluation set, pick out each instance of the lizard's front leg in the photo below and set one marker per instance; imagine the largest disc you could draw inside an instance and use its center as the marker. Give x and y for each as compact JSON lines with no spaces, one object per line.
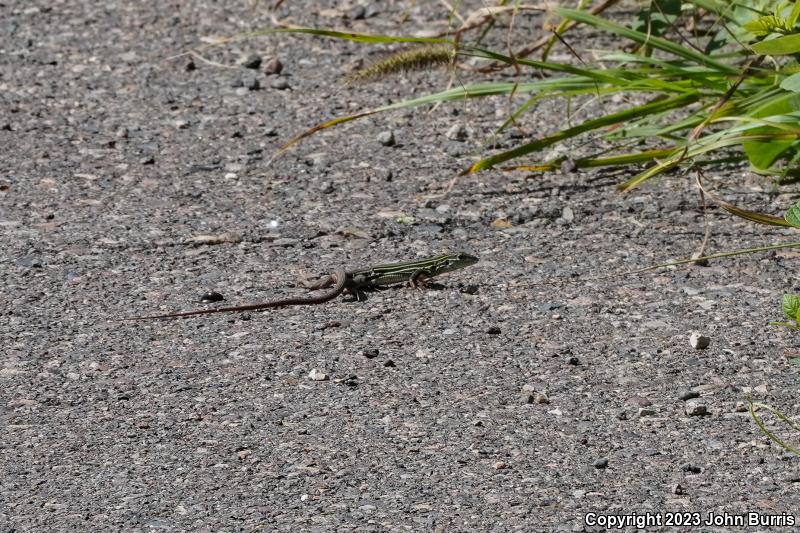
{"x":419,"y":278}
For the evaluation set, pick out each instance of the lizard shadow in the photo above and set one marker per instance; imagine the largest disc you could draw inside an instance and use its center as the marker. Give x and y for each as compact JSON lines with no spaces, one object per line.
{"x":362,"y":295}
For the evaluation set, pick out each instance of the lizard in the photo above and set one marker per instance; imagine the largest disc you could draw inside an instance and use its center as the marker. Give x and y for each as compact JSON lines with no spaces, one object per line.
{"x":351,"y":281}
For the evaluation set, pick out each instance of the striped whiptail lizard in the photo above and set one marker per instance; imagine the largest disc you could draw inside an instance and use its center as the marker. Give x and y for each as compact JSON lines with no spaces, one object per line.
{"x":352,"y":281}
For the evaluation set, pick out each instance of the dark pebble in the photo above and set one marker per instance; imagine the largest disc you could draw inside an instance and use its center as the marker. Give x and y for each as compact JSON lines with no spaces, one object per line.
{"x":370,"y":353}
{"x":389,"y":363}
{"x":574,"y":361}
{"x":29,"y":261}
{"x":692,"y":469}
{"x":601,"y":463}
{"x":688,"y":395}
{"x":493,"y":330}
{"x":211,"y":296}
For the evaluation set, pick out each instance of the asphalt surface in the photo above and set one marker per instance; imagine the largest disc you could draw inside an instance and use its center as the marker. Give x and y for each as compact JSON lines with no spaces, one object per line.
{"x":134,"y":179}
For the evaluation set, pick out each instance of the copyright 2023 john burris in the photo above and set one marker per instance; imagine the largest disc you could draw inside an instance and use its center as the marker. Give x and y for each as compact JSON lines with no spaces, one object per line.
{"x":677,"y":519}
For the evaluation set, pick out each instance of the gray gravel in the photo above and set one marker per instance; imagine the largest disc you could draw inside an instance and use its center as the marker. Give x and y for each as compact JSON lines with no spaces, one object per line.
{"x":135,"y":181}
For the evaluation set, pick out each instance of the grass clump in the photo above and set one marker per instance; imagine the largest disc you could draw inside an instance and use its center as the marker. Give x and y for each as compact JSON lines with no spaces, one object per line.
{"x":711,"y":80}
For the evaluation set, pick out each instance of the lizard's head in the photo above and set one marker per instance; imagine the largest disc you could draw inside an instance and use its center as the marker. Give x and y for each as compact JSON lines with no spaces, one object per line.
{"x":460,"y":260}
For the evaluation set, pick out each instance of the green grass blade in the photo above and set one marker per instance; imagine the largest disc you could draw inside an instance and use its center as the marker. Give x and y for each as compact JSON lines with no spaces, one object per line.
{"x":767,"y":432}
{"x":643,"y":38}
{"x":705,"y":144}
{"x":614,"y":118}
{"x":550,"y":86}
{"x":348,"y":36}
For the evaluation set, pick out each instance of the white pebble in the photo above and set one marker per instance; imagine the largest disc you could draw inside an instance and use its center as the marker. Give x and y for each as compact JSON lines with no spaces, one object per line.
{"x":698,"y":341}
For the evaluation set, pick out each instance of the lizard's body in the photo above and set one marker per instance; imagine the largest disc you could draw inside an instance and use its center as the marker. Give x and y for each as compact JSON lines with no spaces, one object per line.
{"x":353,"y":281}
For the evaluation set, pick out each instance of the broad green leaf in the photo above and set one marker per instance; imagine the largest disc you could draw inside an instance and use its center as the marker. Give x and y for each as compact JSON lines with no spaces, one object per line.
{"x":791,"y":306}
{"x":792,"y":215}
{"x":763,"y":154}
{"x":780,"y":105}
{"x":792,"y":83}
{"x":780,"y":46}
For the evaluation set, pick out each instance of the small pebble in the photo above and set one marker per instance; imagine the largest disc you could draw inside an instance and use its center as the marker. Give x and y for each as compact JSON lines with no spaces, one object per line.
{"x":318,"y":375}
{"x":692,"y":469}
{"x":211,"y":296}
{"x":389,"y":363}
{"x":386,"y":138}
{"x":280,"y":84}
{"x":646,"y":411}
{"x":740,"y":407}
{"x":358,"y":12}
{"x":568,"y":166}
{"x":190,"y":66}
{"x":493,"y":330}
{"x":499,"y":465}
{"x":541,"y":398}
{"x":568,"y":214}
{"x":696,"y":409}
{"x":250,"y":61}
{"x":698,"y":341}
{"x":688,"y":394}
{"x":600,"y":463}
{"x":457,"y":132}
{"x":252,"y":83}
{"x":370,"y":353}
{"x":574,"y":361}
{"x":273,"y":66}
{"x":285,"y":242}
{"x":793,"y":477}
{"x":270,"y":131}
{"x":528,"y":398}
{"x":641,"y":401}
{"x":677,"y":489}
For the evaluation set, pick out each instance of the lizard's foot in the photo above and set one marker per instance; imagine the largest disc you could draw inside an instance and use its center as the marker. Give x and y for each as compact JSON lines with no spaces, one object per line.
{"x":419,"y":281}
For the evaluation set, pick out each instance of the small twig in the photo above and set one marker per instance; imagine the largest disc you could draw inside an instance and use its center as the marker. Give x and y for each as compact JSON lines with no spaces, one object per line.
{"x":706,"y":225}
